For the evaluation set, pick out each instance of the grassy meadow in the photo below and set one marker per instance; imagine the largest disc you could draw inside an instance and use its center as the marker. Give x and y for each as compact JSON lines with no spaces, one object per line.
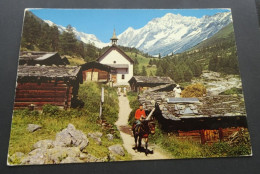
{"x":54,"y":120}
{"x":75,"y":61}
{"x":143,"y":61}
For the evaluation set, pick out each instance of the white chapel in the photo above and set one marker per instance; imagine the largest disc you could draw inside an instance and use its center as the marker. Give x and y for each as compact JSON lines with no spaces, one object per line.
{"x":116,"y":58}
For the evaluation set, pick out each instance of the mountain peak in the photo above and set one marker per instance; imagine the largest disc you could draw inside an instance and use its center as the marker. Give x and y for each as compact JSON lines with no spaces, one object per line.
{"x":50,"y":23}
{"x":174,"y":33}
{"x":170,"y":33}
{"x":129,"y":29}
{"x":171,"y":15}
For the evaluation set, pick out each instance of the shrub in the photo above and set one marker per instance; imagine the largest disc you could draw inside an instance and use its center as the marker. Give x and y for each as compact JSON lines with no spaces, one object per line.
{"x":222,"y":149}
{"x":194,"y":90}
{"x":49,"y":109}
{"x":89,"y":93}
{"x":26,"y":112}
{"x":232,"y":91}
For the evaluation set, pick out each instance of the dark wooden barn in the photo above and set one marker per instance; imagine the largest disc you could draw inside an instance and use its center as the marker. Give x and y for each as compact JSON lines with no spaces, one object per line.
{"x":40,"y":85}
{"x":94,"y":71}
{"x":41,"y":58}
{"x":206,"y":119}
{"x":140,"y":83}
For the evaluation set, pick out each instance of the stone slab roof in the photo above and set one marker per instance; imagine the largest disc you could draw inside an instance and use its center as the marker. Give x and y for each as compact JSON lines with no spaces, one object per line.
{"x":203,"y":107}
{"x":97,"y":65}
{"x":152,"y":79}
{"x":48,"y":72}
{"x":37,"y":56}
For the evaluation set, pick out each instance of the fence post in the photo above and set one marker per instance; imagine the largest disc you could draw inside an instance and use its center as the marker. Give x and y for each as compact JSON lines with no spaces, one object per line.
{"x":101,"y":102}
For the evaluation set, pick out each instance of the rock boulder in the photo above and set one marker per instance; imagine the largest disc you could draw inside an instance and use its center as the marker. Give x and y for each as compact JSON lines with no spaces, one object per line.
{"x":117,"y":149}
{"x":33,"y":127}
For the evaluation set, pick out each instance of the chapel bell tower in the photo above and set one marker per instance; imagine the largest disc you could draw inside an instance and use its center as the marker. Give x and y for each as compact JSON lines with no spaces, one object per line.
{"x":114,"y":38}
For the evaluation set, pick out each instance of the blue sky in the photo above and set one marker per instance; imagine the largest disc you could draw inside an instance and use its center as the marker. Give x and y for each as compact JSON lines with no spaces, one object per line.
{"x":101,"y":22}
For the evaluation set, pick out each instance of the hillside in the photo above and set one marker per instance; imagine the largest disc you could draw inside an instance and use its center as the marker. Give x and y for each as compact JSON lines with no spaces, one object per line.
{"x":141,"y":66}
{"x":226,"y":33}
{"x":39,"y":36}
{"x":217,"y":53}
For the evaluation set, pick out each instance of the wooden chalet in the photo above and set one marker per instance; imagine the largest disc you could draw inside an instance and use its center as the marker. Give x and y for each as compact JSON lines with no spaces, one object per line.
{"x":40,"y":85}
{"x":41,"y":58}
{"x":97,"y":72}
{"x":140,"y":83}
{"x":206,"y":119}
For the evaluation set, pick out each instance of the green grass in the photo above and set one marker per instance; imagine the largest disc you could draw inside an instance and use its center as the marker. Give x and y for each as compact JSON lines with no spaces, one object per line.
{"x":232,"y":91}
{"x":143,"y":61}
{"x":187,"y":148}
{"x":75,"y":61}
{"x":224,"y":33}
{"x":53,"y":121}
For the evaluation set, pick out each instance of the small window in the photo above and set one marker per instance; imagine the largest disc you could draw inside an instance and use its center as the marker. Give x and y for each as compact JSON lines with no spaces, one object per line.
{"x":114,"y":61}
{"x":123,"y":76}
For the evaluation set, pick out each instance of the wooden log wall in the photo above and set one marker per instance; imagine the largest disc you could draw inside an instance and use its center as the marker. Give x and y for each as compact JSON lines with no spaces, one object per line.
{"x":102,"y":75}
{"x":58,"y":94}
{"x":205,"y":136}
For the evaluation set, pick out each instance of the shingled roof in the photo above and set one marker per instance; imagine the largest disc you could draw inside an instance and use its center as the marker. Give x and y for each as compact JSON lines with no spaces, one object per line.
{"x":98,"y":65}
{"x":177,"y":109}
{"x":152,"y":79}
{"x":32,"y":73}
{"x":36,"y":55}
{"x":39,"y":57}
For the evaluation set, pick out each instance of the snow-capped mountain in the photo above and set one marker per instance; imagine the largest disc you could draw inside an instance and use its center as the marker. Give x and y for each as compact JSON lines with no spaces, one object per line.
{"x":84,"y":37}
{"x":170,"y":33}
{"x":173,"y":33}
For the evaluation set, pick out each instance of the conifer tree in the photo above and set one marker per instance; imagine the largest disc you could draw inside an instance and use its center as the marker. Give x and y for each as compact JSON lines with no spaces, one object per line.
{"x":68,"y":41}
{"x":144,"y":73}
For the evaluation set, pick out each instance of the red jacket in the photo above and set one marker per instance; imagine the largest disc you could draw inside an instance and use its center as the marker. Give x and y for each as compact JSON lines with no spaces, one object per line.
{"x":138,"y":114}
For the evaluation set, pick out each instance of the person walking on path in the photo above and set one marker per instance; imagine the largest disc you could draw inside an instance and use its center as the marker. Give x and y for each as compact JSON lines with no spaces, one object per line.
{"x":139,"y":116}
{"x":177,"y":91}
{"x":125,"y":91}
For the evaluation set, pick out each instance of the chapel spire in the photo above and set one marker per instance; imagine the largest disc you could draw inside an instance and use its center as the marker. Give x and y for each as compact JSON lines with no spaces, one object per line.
{"x":114,"y":38}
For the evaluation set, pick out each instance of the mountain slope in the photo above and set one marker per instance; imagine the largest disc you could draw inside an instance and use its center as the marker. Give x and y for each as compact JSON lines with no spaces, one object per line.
{"x":84,"y":37}
{"x":218,"y":54}
{"x":173,"y":33}
{"x":168,"y":34}
{"x":223,"y":34}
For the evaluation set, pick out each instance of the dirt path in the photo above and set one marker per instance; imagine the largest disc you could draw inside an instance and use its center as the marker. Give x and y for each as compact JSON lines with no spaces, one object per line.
{"x":128,"y":139}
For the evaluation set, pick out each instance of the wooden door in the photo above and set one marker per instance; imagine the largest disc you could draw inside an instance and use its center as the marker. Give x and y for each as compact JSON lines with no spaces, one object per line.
{"x":88,"y":76}
{"x":95,"y":76}
{"x":92,"y":76}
